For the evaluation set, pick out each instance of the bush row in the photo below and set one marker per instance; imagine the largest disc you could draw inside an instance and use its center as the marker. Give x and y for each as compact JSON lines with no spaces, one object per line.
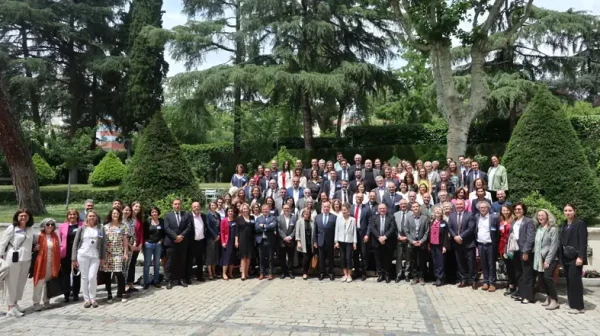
{"x":58,"y":194}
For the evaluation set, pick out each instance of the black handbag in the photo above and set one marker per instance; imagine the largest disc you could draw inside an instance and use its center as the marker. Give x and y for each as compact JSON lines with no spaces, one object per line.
{"x":570,"y":252}
{"x":57,"y":286}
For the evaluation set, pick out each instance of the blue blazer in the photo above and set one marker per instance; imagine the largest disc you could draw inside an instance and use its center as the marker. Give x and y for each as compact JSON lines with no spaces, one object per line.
{"x":270,"y":229}
{"x":290,"y":192}
{"x":365,"y":215}
{"x":324,"y":235}
{"x":213,"y":225}
{"x":467,"y":232}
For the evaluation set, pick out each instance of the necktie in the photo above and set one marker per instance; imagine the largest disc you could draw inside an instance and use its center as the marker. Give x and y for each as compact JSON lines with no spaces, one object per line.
{"x":402,"y":220}
{"x":325,"y":220}
{"x":382,"y":225}
{"x":356,"y":214}
{"x":459,"y":221}
{"x":343,"y":175}
{"x":345,"y":198}
{"x":177,"y":217}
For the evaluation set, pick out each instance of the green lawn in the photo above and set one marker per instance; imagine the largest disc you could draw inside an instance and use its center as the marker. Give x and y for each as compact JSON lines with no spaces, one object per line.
{"x":56,"y":211}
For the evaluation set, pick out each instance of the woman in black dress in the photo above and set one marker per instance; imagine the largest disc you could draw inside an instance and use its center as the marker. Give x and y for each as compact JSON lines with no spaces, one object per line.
{"x":314,"y":184}
{"x":573,"y":255}
{"x":244,"y":239}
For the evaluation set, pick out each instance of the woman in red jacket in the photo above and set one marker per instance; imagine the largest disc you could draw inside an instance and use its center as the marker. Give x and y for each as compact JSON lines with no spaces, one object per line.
{"x":506,"y":218}
{"x":228,"y":233}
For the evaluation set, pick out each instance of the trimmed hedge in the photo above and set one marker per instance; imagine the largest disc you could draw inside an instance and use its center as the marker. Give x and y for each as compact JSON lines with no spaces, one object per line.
{"x":544,"y":154}
{"x":158,"y":167}
{"x":45,"y":174}
{"x":57,"y":194}
{"x":109,"y":172}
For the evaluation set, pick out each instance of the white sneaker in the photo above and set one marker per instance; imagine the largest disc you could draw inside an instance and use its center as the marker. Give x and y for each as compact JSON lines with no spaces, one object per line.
{"x":14,"y":312}
{"x":123,"y":300}
{"x":344,"y":279}
{"x":37,"y":307}
{"x":349,"y":279}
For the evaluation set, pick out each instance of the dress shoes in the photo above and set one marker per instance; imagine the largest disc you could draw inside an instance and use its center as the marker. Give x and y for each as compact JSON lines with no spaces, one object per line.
{"x":398,"y":279}
{"x":462,"y":284}
{"x":183,"y":283}
{"x":363,"y":277}
{"x":169,"y":285}
{"x":380,"y":278}
{"x":201,"y":279}
{"x":188,"y":281}
{"x":388,"y":279}
{"x":282,"y":276}
{"x":321,"y":277}
{"x":332,"y":277}
{"x":291,"y":276}
{"x":438,"y":283}
{"x":474,"y":285}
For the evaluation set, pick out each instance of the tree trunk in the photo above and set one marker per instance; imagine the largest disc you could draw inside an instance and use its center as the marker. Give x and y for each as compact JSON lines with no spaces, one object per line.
{"x":33,"y":94}
{"x":73,"y":174}
{"x":307,"y":120}
{"x":340,"y":117}
{"x":458,"y":133}
{"x":18,"y":157}
{"x":239,"y":54}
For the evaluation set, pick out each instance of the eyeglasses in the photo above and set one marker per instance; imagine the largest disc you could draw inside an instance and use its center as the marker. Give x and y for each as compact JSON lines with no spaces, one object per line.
{"x":51,"y":224}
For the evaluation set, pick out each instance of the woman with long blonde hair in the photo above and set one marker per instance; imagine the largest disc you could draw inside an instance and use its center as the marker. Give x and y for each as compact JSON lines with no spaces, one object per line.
{"x":88,"y":255}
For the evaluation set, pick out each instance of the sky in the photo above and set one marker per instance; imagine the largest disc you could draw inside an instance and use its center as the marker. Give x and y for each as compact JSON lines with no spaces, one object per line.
{"x":173,"y":17}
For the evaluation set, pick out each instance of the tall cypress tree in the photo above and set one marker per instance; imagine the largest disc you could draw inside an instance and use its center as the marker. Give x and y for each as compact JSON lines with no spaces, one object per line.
{"x":147,"y":66}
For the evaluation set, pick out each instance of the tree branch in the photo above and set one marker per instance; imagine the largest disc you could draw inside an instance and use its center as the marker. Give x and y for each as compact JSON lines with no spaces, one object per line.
{"x":407,"y":27}
{"x":509,"y":33}
{"x":220,"y":46}
{"x":492,"y":15}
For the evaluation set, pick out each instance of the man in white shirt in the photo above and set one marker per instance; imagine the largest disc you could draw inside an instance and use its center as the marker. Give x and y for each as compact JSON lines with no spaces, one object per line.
{"x":197,"y":247}
{"x":344,"y":172}
{"x":487,"y":243}
{"x":272,"y":191}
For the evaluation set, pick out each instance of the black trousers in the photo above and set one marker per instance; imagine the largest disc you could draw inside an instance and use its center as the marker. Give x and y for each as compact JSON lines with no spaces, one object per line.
{"x":346,"y":254}
{"x":510,"y":272}
{"x":383,"y":260}
{"x":402,"y":260}
{"x":437,"y":258}
{"x":418,"y":261}
{"x":66,"y":267}
{"x":176,"y":261}
{"x":266,"y":253}
{"x":306,"y":258}
{"x":524,"y":274}
{"x":466,"y":260}
{"x":132,"y":263}
{"x":361,"y":256}
{"x":487,"y":255}
{"x":195,"y":256}
{"x":120,"y":283}
{"x":547,"y":278}
{"x":286,"y":258}
{"x":326,"y":253}
{"x":450,"y":266}
{"x":574,"y":285}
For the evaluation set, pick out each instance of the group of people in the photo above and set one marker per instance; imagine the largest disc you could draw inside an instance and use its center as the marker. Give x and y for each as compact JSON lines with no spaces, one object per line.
{"x":448,"y":222}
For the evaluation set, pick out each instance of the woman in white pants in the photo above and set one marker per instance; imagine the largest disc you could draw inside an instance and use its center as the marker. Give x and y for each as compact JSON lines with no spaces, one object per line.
{"x":15,"y":248}
{"x":47,"y":263}
{"x":88,"y":254}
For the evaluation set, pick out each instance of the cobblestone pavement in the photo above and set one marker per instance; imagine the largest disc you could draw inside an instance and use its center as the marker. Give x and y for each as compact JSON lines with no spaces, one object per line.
{"x":297,"y":307}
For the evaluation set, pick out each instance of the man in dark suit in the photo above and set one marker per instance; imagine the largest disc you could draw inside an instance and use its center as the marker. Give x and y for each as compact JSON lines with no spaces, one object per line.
{"x":274,"y":170}
{"x":356,"y":181}
{"x":382,"y":232}
{"x":475,"y":173}
{"x":462,"y":231}
{"x":266,"y":238}
{"x":178,"y":227}
{"x":272,"y":190}
{"x":314,"y":165}
{"x":196,"y":245}
{"x":263,"y":182}
{"x":87,"y":206}
{"x":417,"y":233}
{"x":344,"y":195}
{"x":369,"y":174}
{"x":323,"y":239}
{"x":487,"y":229}
{"x":400,"y":217}
{"x":344,"y":172}
{"x":331,"y":185}
{"x":381,"y":192}
{"x":387,"y":178}
{"x":361,"y":214}
{"x":392,"y":199}
{"x":296,"y":192}
{"x":286,"y":230}
{"x":372,"y":204}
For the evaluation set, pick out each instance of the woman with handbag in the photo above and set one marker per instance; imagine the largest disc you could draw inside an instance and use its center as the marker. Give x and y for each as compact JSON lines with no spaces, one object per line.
{"x":88,"y":255}
{"x":15,"y":248}
{"x":66,"y":234}
{"x":573,"y":252}
{"x":305,"y":226}
{"x":116,"y":243}
{"x":47,"y":263}
{"x":523,"y":231}
{"x":545,"y":255}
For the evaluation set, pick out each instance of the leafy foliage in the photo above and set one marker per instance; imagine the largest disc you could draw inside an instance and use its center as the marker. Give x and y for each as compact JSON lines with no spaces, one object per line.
{"x":109,"y":172}
{"x":158,"y":167}
{"x":165,"y":204}
{"x":44,"y":172}
{"x":282,"y":156}
{"x":536,"y":202}
{"x":542,"y":141}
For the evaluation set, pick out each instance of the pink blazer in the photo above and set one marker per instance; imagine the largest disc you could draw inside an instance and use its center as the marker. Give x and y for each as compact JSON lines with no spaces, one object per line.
{"x":63,"y":229}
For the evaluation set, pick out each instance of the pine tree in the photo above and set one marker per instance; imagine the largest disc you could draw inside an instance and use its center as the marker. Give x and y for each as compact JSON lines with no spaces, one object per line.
{"x":544,"y":154}
{"x":158,"y":167}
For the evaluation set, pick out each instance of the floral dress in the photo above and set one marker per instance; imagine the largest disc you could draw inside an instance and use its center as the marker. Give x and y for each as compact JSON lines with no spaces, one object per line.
{"x":113,"y":237}
{"x":131,"y":238}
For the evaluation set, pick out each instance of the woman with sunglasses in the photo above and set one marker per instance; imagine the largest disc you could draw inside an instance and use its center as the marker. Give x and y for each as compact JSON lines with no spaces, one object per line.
{"x":66,"y":234}
{"x":47,"y":264}
{"x":16,"y":247}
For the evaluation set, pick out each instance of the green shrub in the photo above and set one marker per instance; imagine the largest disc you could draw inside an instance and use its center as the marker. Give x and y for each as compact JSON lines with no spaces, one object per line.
{"x":545,"y":154}
{"x":536,"y":202}
{"x":109,"y":172}
{"x":45,"y":174}
{"x":166,"y":204}
{"x":281,"y":157}
{"x":57,"y":194}
{"x":158,"y":167}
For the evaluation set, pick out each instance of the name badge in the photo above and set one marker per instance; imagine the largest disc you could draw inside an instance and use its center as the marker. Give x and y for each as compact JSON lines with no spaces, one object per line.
{"x":100,"y":235}
{"x":252,"y":221}
{"x":493,"y":229}
{"x":118,"y":230}
{"x":292,"y":224}
{"x":233,"y":224}
{"x":396,"y":203}
{"x":338,"y":185}
{"x":443,"y":225}
{"x":272,"y":211}
{"x":501,"y":227}
{"x":159,"y":227}
{"x":20,"y":231}
{"x":75,"y":229}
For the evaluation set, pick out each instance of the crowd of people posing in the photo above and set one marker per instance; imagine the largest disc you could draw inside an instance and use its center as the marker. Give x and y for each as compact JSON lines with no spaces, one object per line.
{"x":447,"y":223}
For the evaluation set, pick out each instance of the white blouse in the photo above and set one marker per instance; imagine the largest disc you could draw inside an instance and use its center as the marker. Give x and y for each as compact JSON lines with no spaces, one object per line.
{"x":88,"y":245}
{"x":15,"y":236}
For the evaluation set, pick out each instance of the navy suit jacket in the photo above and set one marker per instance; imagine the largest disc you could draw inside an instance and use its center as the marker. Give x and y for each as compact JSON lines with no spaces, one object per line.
{"x":290,"y":192}
{"x":326,"y":186}
{"x":365,"y":215}
{"x":324,"y":235}
{"x":270,"y":229}
{"x":471,"y":178}
{"x":172,"y":230}
{"x":467,"y":231}
{"x":213,"y":225}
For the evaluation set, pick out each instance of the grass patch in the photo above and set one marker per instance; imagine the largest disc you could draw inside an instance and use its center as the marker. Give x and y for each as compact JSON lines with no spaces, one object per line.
{"x":79,"y":187}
